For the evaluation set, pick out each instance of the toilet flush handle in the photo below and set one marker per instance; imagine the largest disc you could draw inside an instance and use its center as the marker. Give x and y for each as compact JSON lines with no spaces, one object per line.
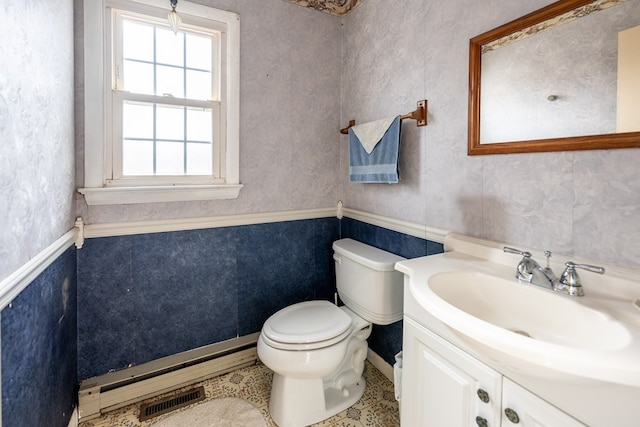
{"x":337,"y":258}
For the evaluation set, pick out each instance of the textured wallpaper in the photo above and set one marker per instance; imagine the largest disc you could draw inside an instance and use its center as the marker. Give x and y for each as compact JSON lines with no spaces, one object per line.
{"x":580,"y":203}
{"x":36,"y":128}
{"x":289,"y":116}
{"x":305,"y":74}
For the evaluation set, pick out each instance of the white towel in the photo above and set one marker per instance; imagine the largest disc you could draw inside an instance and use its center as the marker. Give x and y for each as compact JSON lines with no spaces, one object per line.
{"x":371,"y":133}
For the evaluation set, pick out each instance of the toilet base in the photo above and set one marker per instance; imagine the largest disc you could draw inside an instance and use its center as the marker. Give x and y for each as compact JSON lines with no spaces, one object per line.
{"x":307,"y":401}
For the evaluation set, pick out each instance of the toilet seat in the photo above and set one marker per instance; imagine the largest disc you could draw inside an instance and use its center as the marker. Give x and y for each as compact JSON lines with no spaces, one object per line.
{"x":307,"y":326}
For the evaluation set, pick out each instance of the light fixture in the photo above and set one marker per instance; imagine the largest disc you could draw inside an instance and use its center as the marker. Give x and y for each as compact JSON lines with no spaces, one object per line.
{"x":174,"y":18}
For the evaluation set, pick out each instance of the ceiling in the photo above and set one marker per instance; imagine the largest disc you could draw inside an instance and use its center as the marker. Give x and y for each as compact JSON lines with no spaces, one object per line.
{"x":333,"y":7}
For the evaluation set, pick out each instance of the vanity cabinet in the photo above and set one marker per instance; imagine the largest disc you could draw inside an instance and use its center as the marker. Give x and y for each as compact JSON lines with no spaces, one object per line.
{"x":445,"y":386}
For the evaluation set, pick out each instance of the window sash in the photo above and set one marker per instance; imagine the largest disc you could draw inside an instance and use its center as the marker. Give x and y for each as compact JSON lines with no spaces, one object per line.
{"x":116,"y":148}
{"x":216,"y":35}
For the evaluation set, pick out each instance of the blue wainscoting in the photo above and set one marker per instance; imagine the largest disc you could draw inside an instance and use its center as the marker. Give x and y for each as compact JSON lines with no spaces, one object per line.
{"x":391,"y":241}
{"x":386,"y":341}
{"x":147,"y":296}
{"x":39,"y":339}
{"x":127,"y":300}
{"x":281,"y":264}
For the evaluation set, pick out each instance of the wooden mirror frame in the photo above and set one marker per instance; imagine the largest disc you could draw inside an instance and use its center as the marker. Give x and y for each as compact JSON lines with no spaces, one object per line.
{"x":589,"y":142}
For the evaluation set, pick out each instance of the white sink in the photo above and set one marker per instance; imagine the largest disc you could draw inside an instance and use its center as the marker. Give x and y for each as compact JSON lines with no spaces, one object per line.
{"x":470,"y":296}
{"x":525,"y":310}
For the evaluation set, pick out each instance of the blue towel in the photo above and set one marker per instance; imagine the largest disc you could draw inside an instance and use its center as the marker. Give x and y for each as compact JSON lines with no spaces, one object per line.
{"x":382,"y":164}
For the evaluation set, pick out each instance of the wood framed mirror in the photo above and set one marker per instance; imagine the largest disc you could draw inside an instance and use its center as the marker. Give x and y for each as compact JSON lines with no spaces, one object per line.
{"x":503,"y":74}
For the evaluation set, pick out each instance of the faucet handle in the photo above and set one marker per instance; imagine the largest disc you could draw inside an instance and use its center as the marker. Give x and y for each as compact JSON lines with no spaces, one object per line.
{"x":509,"y":250}
{"x":570,"y":281}
{"x":526,"y":266}
{"x":588,"y":267}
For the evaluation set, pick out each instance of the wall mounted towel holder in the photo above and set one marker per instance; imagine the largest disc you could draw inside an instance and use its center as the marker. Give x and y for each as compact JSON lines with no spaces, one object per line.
{"x":420,"y":115}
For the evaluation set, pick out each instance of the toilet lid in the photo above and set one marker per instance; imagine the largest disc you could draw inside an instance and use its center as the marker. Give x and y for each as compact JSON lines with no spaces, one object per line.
{"x":306,"y":324}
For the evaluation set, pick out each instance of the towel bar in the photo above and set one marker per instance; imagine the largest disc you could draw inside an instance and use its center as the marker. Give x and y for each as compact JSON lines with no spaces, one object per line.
{"x":420,"y":115}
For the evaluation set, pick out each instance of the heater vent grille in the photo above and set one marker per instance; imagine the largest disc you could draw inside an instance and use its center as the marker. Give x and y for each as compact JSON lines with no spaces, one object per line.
{"x":172,"y":403}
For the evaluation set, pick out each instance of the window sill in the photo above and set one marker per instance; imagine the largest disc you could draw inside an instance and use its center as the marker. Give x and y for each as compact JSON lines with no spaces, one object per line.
{"x":159,"y":194}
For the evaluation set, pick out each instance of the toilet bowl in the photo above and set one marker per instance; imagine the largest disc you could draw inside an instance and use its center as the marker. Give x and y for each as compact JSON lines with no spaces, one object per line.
{"x":317,"y":349}
{"x":305,"y":369}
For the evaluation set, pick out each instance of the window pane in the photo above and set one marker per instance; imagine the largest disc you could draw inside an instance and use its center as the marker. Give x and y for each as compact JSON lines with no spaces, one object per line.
{"x":199,"y":159}
{"x":137,"y":41}
{"x":198,"y":85}
{"x":137,"y":157}
{"x":199,"y":125}
{"x":199,"y":52}
{"x":137,"y":120}
{"x":169,"y":158}
{"x":170,"y":122}
{"x":138,"y":77}
{"x":170,"y":81}
{"x":169,"y":47}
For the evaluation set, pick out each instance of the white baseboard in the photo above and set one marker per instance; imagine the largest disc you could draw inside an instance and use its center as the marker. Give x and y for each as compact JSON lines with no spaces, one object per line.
{"x":115,"y":390}
{"x":73,"y":422}
{"x":380,"y":364}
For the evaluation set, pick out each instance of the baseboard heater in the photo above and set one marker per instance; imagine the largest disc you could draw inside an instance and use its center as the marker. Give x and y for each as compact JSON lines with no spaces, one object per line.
{"x":114,"y":390}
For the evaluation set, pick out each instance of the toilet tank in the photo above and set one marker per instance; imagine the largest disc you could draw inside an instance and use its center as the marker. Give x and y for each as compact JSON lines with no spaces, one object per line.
{"x":367,"y":282}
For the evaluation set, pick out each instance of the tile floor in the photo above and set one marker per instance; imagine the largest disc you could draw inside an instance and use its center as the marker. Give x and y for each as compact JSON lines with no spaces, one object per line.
{"x":377,"y":407}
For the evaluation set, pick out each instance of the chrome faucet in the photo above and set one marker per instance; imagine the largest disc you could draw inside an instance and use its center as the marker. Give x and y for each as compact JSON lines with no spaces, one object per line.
{"x":530,"y":271}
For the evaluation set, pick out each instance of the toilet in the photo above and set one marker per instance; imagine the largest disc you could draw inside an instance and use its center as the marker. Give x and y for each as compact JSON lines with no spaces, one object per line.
{"x":317,"y":349}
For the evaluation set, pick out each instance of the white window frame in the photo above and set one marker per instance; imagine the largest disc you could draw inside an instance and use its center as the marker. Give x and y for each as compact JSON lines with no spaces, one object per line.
{"x":99,"y":188}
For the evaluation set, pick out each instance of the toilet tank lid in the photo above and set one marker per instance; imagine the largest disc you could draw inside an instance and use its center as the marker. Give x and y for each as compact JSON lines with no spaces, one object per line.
{"x":372,"y":257}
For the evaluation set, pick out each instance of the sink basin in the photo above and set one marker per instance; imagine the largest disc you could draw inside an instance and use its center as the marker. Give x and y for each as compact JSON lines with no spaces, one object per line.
{"x":469,"y":296}
{"x":529,"y":312}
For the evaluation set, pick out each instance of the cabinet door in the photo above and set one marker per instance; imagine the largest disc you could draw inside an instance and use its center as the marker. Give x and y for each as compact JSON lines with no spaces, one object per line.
{"x":521,"y":408}
{"x":444,"y":386}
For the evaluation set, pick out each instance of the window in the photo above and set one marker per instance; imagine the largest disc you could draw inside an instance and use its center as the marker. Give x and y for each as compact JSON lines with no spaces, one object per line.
{"x":166,"y":126}
{"x":166,"y":106}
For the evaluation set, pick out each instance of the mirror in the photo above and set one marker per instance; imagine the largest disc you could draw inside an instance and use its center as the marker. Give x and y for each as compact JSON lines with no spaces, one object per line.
{"x":530,"y":92}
